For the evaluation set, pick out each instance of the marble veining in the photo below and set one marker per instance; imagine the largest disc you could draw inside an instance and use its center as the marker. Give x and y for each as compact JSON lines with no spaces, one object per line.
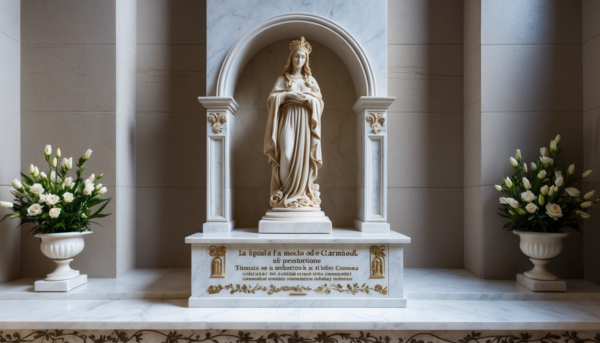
{"x":228,"y":20}
{"x":420,"y":315}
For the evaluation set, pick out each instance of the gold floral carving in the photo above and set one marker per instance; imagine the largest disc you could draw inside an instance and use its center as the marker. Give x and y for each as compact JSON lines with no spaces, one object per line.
{"x":376,"y":120}
{"x":377,"y":262}
{"x":325,"y":289}
{"x":217,"y":266}
{"x":217,"y":120}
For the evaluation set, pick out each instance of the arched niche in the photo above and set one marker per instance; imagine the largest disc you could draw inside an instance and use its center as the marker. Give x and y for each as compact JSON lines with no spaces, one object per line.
{"x":371,"y":110}
{"x":286,"y":26}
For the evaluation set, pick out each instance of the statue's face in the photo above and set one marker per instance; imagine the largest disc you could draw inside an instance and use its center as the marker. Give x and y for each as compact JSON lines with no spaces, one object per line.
{"x":299,"y":59}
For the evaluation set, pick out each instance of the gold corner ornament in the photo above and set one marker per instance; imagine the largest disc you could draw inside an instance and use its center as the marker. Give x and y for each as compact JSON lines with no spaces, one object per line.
{"x":376,"y":120}
{"x":217,"y":120}
{"x":217,"y":266}
{"x":296,"y":290}
{"x":377,"y":262}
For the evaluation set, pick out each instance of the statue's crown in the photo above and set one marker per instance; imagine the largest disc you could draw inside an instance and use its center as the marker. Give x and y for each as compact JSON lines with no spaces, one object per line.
{"x":301,"y":44}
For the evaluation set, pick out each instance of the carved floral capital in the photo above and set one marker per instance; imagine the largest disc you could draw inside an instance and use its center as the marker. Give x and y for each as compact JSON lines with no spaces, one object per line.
{"x":217,"y":120}
{"x":376,"y":120}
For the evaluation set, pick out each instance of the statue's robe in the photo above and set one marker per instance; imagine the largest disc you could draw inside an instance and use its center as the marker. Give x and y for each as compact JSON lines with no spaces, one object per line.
{"x":293,"y":144}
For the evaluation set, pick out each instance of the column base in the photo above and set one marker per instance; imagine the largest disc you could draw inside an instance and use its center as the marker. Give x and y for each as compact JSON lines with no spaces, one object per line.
{"x":218,"y":227}
{"x":371,"y":227}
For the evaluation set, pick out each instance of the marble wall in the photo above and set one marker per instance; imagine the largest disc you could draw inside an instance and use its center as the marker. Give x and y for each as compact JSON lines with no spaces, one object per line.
{"x":425,"y":129}
{"x":76,"y":93}
{"x":591,"y":130}
{"x":523,"y":85}
{"x":10,"y":133}
{"x":522,"y":73}
{"x":171,"y":130}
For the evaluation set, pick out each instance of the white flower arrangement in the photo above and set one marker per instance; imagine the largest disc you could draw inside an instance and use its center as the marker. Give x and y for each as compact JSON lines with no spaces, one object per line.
{"x":540,"y":198}
{"x":57,"y":203}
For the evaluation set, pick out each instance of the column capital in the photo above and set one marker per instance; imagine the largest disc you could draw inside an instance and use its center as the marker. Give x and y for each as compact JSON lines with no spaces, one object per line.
{"x":215,"y":103}
{"x":373,"y":103}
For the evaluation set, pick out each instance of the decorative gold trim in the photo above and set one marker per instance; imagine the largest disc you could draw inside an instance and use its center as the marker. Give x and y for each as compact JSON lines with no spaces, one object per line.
{"x":298,"y":290}
{"x":217,"y":265}
{"x":376,"y":120}
{"x":217,"y":120}
{"x":377,"y":261}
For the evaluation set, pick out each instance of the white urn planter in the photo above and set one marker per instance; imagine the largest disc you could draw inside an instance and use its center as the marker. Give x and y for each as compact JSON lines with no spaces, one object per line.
{"x":61,"y":248}
{"x":540,"y":247}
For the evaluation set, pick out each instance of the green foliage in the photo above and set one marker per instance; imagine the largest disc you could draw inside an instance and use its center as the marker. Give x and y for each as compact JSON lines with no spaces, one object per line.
{"x":56,"y":203}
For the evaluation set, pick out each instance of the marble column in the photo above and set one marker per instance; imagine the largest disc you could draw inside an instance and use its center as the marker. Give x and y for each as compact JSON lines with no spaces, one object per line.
{"x":219,"y":163}
{"x":10,"y":133}
{"x":372,"y":163}
{"x":522,"y":86}
{"x":78,"y":91}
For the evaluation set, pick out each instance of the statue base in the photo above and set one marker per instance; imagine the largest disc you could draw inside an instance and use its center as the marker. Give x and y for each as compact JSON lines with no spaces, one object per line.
{"x":296,"y":221}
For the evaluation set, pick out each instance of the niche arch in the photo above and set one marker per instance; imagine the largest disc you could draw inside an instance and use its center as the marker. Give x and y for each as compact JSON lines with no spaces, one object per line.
{"x":290,"y":25}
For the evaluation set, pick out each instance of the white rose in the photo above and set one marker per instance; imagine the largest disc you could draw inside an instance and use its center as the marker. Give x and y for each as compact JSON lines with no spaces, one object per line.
{"x":557,"y":174}
{"x":584,"y":215}
{"x":48,"y":149}
{"x":503,"y":200}
{"x":98,"y":186}
{"x":512,"y":202}
{"x":547,"y":161}
{"x":513,"y":162}
{"x":6,"y":204}
{"x":571,"y":169}
{"x":68,"y":182}
{"x":586,"y":174}
{"x":89,"y":188}
{"x":553,"y":210}
{"x":526,"y":183}
{"x":87,"y":181}
{"x":34,"y":210}
{"x":102,"y":190}
{"x":586,"y":204}
{"x":498,"y":188}
{"x":17,"y":184}
{"x":55,"y":212}
{"x":68,"y":197}
{"x":531,"y":207}
{"x":53,"y":176}
{"x":43,"y":175}
{"x":544,"y":189}
{"x":92,"y":177}
{"x":543,"y":152}
{"x":559,"y":181}
{"x":574,"y":192}
{"x":541,"y":174}
{"x":528,"y":196}
{"x":87,"y":154}
{"x":533,"y":167}
{"x":15,"y":192}
{"x":52,"y":199}
{"x":508,"y":182}
{"x":36,"y":189}
{"x":588,"y":195}
{"x":70,"y":164}
{"x":42,"y":198}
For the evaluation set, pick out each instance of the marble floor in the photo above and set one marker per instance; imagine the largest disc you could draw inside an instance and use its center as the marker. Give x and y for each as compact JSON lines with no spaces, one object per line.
{"x":438,"y":299}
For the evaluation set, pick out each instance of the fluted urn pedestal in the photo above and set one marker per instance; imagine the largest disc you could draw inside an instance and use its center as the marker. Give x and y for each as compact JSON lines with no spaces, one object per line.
{"x":540,"y":248}
{"x":61,"y":248}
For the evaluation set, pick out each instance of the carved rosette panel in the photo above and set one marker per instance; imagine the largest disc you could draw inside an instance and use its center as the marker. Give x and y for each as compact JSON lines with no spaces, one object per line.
{"x":377,"y":261}
{"x":376,"y":120}
{"x":217,"y":266}
{"x":217,"y":120}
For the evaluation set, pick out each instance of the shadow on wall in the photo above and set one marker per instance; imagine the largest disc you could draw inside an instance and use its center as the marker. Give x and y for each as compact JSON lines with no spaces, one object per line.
{"x":171,"y":130}
{"x":337,"y":177}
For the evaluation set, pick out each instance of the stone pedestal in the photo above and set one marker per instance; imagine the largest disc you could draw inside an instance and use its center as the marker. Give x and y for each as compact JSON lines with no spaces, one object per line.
{"x":346,"y":268}
{"x":60,"y":286}
{"x":295,"y":222}
{"x":541,"y":286}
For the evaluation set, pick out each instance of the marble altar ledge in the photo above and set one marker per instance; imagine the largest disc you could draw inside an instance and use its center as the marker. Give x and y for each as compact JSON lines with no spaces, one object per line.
{"x":421,"y":315}
{"x":337,"y":236}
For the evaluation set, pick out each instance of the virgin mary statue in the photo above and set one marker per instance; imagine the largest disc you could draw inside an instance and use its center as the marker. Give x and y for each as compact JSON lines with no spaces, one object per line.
{"x":293,"y":135}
